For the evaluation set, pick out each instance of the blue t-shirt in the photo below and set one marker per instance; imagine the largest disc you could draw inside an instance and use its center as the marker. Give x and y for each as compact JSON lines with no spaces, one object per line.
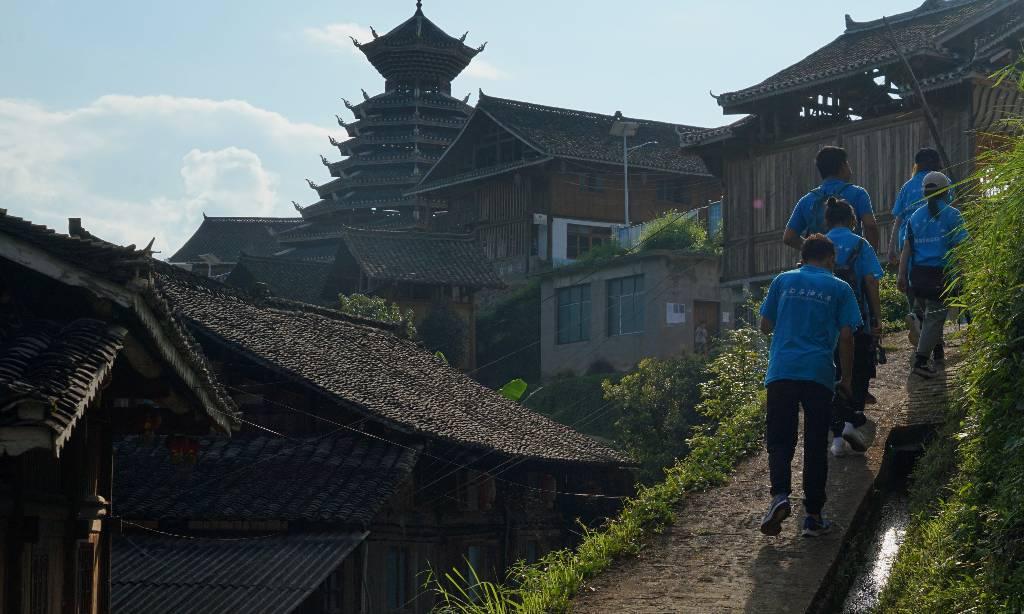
{"x":809,"y":307}
{"x":933,"y":238}
{"x":867,"y":262}
{"x":908,"y":200}
{"x":805,"y":216}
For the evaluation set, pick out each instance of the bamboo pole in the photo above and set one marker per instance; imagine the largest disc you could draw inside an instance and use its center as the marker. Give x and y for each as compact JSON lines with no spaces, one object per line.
{"x":929,"y":118}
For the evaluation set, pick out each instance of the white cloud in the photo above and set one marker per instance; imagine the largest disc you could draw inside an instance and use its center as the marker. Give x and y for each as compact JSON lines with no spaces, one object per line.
{"x":135,"y":167}
{"x":481,"y":69}
{"x":336,"y":35}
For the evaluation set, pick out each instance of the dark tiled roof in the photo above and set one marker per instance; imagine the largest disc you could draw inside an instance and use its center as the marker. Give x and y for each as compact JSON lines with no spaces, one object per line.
{"x":128,"y":268}
{"x":583,"y":135}
{"x":269,"y":575}
{"x":228,"y":237}
{"x":304,"y":281}
{"x":421,"y":258}
{"x":50,"y":372}
{"x":94,"y":255}
{"x":710,"y":135}
{"x":866,"y":45}
{"x":418,"y":47}
{"x":389,"y":379}
{"x":340,"y":479}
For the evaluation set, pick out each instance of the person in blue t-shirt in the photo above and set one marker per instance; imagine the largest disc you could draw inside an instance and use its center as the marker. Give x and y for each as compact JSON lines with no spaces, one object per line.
{"x":806,"y":310}
{"x":858,"y":266}
{"x":932,"y":232}
{"x":909,"y":199}
{"x":808,"y":216}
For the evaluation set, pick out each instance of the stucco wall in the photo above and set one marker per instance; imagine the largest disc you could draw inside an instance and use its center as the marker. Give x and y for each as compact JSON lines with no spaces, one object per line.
{"x":668,"y":278}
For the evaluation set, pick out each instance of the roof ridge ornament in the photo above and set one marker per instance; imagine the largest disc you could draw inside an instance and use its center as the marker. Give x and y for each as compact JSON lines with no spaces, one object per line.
{"x":323,"y":160}
{"x":365,"y":95}
{"x":311,"y":184}
{"x":462,"y":38}
{"x":355,"y":42}
{"x":341,"y":122}
{"x":481,"y":47}
{"x":374,"y":32}
{"x":348,"y":105}
{"x":297,"y":206}
{"x":333,"y":141}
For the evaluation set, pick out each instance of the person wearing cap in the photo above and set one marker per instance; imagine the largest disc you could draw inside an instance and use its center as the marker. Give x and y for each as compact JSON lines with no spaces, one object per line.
{"x":909,"y":199}
{"x":808,"y":215}
{"x":932,"y":232}
{"x":807,"y":311}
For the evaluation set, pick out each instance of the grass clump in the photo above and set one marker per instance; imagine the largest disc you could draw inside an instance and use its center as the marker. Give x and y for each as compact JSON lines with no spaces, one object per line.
{"x":965,"y":548}
{"x":733,"y":401}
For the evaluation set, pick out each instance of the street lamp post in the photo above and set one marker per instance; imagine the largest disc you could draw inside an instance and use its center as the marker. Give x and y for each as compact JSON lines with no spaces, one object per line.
{"x":626,"y":129}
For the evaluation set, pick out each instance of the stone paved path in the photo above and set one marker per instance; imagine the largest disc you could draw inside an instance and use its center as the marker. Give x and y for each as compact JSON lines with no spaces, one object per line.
{"x":714,"y":559}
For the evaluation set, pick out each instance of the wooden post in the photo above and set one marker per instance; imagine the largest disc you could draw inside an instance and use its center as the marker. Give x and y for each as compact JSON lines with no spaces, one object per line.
{"x":929,"y":118}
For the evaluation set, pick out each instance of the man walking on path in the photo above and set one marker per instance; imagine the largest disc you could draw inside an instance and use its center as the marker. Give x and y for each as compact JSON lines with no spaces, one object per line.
{"x":858,"y":266}
{"x":932,"y":232}
{"x":808,"y":309}
{"x":808,"y":216}
{"x":909,"y":199}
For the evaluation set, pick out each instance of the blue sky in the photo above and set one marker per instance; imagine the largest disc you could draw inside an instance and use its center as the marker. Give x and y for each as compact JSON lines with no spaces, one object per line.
{"x":140,"y":116}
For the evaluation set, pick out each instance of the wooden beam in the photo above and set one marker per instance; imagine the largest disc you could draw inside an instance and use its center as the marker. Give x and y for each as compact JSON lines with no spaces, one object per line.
{"x":929,"y":118}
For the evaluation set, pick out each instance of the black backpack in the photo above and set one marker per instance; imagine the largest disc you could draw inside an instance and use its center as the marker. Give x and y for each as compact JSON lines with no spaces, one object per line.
{"x":847,"y":272}
{"x":818,"y":210}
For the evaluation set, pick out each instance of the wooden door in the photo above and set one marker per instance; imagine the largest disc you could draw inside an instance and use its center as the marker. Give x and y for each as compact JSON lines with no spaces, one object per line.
{"x":707,"y":313}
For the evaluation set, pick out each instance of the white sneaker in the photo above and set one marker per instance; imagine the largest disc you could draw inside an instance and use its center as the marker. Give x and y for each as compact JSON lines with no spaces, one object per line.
{"x":854,"y":437}
{"x":913,"y":328}
{"x":840,"y":448}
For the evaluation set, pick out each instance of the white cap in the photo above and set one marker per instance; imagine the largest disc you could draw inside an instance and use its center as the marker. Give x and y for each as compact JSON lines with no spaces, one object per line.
{"x":935,"y":182}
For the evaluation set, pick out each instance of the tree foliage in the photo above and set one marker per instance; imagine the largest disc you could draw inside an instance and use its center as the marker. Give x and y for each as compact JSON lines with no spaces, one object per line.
{"x":967,"y":554}
{"x":442,"y":330}
{"x":376,"y":308}
{"x":657,"y":407}
{"x":675,"y":230}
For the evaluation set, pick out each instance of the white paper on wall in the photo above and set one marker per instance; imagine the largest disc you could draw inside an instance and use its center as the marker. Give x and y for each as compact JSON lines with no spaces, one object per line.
{"x":675,"y":313}
{"x":725,"y":317}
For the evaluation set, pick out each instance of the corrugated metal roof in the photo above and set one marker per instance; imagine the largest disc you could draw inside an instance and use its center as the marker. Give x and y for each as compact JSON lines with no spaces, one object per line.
{"x":172,"y":575}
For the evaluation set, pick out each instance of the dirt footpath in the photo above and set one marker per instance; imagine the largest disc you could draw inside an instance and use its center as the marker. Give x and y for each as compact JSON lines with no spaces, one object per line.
{"x":714,"y":559}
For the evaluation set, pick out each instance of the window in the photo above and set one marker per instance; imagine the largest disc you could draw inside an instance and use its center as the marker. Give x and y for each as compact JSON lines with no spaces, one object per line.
{"x":574,"y":314}
{"x":714,"y":218}
{"x":581,"y":239}
{"x":673,"y":191}
{"x":397,"y":580}
{"x":590,"y":182}
{"x":626,"y":305}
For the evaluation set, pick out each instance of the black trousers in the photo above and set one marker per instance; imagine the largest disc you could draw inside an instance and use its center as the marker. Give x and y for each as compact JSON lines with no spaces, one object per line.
{"x":852,"y":409}
{"x":784,"y":400}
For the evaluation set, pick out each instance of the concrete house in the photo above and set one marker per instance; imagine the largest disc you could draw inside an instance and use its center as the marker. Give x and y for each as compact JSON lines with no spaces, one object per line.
{"x":632,"y":307}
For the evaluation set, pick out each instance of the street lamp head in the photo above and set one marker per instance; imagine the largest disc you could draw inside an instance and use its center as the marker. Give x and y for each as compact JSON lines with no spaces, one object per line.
{"x":641,"y":145}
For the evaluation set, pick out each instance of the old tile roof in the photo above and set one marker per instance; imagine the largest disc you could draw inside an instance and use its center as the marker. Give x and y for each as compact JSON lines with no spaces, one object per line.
{"x":262,"y":575}
{"x":123,"y":274}
{"x":711,"y":135}
{"x":50,"y":372}
{"x":346,"y":478}
{"x":420,"y":258}
{"x":866,"y":45}
{"x":89,"y":253}
{"x":228,"y":237}
{"x":372,"y":371}
{"x":581,"y":135}
{"x":299,"y":280}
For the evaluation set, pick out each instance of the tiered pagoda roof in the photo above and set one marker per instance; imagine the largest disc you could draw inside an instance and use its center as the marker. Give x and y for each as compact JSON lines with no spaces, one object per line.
{"x":395,"y":137}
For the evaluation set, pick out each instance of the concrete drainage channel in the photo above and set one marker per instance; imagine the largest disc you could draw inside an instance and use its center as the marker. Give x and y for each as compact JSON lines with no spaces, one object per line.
{"x":866,"y":560}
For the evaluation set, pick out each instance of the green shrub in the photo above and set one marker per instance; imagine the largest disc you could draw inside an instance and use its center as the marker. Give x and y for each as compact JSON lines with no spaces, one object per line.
{"x":966,"y":553}
{"x":442,"y":330}
{"x":376,"y":308}
{"x":508,"y":338}
{"x":577,"y":401}
{"x":735,"y":398}
{"x":894,"y":304}
{"x":674,"y":230}
{"x":657,"y":405}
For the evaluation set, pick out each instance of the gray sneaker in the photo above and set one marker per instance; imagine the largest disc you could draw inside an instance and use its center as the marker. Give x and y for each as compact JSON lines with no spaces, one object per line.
{"x":771,"y":523}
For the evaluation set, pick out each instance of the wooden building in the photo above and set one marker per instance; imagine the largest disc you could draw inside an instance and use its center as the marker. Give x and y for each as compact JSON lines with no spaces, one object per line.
{"x":856,"y":92}
{"x":362,"y":462}
{"x":88,"y":350}
{"x":541,"y":185}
